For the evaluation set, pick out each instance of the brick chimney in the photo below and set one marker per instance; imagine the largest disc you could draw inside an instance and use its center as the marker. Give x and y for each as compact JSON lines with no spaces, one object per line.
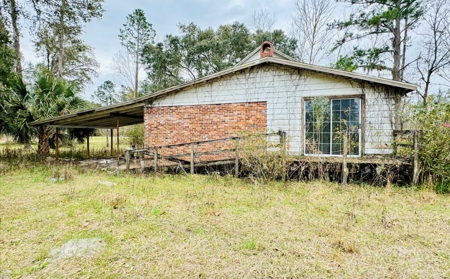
{"x":266,"y":49}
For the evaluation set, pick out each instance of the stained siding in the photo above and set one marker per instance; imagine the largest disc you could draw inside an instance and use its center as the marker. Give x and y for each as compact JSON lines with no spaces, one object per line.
{"x":379,"y":123}
{"x":283,"y":89}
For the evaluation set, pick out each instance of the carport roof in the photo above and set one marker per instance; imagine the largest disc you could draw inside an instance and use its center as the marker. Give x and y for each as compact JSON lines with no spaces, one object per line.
{"x":128,"y":113}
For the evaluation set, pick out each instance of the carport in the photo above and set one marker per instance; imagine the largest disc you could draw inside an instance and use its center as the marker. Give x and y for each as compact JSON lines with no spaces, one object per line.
{"x":109,"y":117}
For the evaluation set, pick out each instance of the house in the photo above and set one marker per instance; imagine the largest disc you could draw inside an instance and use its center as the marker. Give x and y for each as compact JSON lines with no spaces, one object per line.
{"x":266,"y":92}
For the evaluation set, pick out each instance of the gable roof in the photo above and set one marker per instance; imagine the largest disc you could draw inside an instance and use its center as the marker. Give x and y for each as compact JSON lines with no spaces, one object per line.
{"x":131,"y":112}
{"x":251,"y":54}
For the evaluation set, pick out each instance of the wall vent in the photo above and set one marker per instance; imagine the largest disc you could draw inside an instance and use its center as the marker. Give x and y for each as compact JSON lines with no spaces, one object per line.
{"x":266,"y":49}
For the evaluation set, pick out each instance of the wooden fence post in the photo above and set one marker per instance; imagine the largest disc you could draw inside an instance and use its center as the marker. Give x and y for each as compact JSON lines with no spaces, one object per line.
{"x":284,"y":154}
{"x":416,"y":157}
{"x":128,"y":158}
{"x":236,"y":160}
{"x":394,"y":144}
{"x":142,"y":164}
{"x":118,"y":135}
{"x":192,"y":158}
{"x":155,"y":159}
{"x":344,"y":161}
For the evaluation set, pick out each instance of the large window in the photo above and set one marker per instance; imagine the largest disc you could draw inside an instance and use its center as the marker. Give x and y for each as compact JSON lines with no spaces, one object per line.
{"x":328,"y":121}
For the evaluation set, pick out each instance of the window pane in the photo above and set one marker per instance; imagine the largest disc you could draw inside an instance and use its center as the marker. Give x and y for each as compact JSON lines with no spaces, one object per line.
{"x":354,"y":144}
{"x":344,"y":115}
{"x":353,"y":127}
{"x":308,"y":107}
{"x":354,"y":104}
{"x":345,"y":104}
{"x":326,"y":127}
{"x":336,"y":105}
{"x":325,"y":138}
{"x":317,"y":127}
{"x":336,"y":126}
{"x":354,"y":115}
{"x":336,"y":149}
{"x":316,"y":137}
{"x":309,"y":128}
{"x":325,"y":148}
{"x":336,"y":115}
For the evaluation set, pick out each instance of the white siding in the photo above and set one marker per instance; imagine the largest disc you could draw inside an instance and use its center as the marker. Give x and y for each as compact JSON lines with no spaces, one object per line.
{"x":379,"y":123}
{"x":283,"y":89}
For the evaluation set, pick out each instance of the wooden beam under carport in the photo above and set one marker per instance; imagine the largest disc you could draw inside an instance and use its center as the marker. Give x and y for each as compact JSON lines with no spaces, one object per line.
{"x":81,"y":127}
{"x":127,"y":115}
{"x":118,"y":148}
{"x":112,"y":141}
{"x":87,"y":143}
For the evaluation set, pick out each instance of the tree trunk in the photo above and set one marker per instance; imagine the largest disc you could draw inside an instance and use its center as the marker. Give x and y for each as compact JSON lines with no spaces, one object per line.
{"x":427,"y":87}
{"x":396,"y":71}
{"x":61,"y":39}
{"x":396,"y":46}
{"x":405,"y":45}
{"x":43,"y":144}
{"x":14,"y":21}
{"x":136,"y":79}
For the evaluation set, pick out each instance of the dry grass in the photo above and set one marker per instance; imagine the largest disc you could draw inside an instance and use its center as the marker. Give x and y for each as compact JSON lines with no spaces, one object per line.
{"x":218,"y":227}
{"x":97,"y":147}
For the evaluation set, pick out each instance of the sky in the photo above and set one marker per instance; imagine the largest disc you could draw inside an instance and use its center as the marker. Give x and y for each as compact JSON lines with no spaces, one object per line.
{"x":164,"y":15}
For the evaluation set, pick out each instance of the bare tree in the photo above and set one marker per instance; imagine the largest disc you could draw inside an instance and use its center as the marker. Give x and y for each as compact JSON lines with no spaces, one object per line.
{"x":124,"y":66}
{"x":309,"y":27}
{"x":136,"y":33}
{"x":262,"y":20}
{"x":435,"y":57}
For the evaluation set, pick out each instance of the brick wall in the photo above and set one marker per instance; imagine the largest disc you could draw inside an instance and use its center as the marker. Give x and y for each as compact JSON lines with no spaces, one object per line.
{"x":180,"y":124}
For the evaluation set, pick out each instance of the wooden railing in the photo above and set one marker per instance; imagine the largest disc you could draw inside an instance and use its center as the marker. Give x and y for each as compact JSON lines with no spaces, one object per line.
{"x":414,"y":146}
{"x":156,"y":154}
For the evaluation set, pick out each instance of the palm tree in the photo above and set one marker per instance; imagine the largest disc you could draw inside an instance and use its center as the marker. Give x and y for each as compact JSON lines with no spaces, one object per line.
{"x":48,"y":97}
{"x":17,"y":115}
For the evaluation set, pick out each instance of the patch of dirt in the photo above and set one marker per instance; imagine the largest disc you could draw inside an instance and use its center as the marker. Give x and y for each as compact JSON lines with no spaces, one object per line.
{"x":107,"y":183}
{"x":78,"y":248}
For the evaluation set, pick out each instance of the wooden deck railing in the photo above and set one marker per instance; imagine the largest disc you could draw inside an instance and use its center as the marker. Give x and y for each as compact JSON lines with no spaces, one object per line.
{"x":156,"y":154}
{"x":414,"y":146}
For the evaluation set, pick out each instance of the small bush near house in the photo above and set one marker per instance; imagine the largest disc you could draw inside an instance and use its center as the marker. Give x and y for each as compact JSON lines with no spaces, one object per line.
{"x":135,"y":135}
{"x":262,"y":157}
{"x":433,"y":122}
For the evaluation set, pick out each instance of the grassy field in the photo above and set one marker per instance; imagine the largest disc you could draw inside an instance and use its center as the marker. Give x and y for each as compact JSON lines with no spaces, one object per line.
{"x":97,"y":145}
{"x":163,"y":226}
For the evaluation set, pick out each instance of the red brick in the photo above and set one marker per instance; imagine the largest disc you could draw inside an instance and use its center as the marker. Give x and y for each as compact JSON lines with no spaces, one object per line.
{"x":181,"y":124}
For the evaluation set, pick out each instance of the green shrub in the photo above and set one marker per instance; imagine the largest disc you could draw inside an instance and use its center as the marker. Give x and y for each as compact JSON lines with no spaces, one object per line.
{"x":261,"y":158}
{"x":434,"y":142}
{"x":135,"y":135}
